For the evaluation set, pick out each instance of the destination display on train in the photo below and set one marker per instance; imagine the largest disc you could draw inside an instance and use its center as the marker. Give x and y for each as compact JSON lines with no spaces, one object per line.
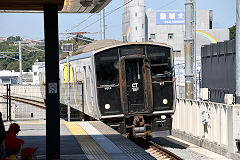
{"x":130,"y":51}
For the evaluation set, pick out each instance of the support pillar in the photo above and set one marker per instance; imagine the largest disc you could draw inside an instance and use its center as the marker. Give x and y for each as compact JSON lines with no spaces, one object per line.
{"x":188,"y":49}
{"x":52,"y":81}
{"x":233,"y":112}
{"x":238,"y":52}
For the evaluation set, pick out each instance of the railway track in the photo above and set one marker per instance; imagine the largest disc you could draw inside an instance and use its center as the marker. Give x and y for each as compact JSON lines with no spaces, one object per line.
{"x":160,"y":153}
{"x":32,"y":102}
{"x":156,"y":150}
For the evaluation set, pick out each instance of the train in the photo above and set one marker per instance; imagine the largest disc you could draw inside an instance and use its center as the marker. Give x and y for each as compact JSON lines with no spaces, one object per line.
{"x":130,"y":86}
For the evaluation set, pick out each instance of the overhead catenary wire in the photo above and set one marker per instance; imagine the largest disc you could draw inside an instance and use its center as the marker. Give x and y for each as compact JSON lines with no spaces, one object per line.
{"x":112,"y":11}
{"x":75,"y":26}
{"x":167,"y":4}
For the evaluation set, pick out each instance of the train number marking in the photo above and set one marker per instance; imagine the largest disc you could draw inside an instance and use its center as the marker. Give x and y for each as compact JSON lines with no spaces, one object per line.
{"x":135,"y":87}
{"x":108,"y":88}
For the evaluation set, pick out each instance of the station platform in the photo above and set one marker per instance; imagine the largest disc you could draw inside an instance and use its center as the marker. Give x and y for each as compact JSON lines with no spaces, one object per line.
{"x":82,"y":140}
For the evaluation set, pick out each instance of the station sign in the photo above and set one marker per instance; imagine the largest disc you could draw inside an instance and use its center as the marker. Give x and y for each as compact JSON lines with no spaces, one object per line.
{"x":170,"y":17}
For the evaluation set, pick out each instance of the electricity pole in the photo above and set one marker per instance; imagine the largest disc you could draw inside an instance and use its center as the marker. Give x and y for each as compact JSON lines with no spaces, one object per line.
{"x":20,"y":63}
{"x":188,"y":49}
{"x":102,"y":17}
{"x":237,"y":52}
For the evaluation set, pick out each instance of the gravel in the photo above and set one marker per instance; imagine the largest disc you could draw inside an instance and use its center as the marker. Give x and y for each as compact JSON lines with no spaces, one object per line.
{"x":178,"y":148}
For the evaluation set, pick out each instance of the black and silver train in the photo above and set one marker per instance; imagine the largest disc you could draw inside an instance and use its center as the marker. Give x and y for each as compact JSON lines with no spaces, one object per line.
{"x":129,"y":86}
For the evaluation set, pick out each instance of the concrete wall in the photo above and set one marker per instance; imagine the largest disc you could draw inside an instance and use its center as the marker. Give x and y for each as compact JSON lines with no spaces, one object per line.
{"x":213,"y":126}
{"x":22,"y":111}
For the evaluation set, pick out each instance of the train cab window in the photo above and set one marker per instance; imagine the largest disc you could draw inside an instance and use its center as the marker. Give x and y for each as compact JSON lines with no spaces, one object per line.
{"x":107,"y":67}
{"x":160,"y":61}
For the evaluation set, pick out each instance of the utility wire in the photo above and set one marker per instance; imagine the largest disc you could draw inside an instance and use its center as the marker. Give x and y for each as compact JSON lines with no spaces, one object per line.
{"x":9,"y":57}
{"x":110,"y":12}
{"x":72,"y":28}
{"x":167,"y":4}
{"x":68,"y":30}
{"x":107,"y":14}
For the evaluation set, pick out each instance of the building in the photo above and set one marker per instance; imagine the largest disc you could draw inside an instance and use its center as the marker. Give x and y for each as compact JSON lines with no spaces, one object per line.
{"x":169,"y":27}
{"x":9,"y":77}
{"x":134,"y":21}
{"x":36,"y":72}
{"x":28,"y":78}
{"x":2,"y":39}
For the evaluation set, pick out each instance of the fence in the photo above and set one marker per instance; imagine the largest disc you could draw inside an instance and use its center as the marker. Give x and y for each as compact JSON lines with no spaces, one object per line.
{"x":214,"y":126}
{"x":25,"y":111}
{"x":19,"y":110}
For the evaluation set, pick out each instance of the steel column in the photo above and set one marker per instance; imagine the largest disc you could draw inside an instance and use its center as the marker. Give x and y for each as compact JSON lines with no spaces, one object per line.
{"x":237,"y":52}
{"x":102,"y":17}
{"x":52,"y":81}
{"x":68,"y":89}
{"x":188,"y":48}
{"x":20,"y":63}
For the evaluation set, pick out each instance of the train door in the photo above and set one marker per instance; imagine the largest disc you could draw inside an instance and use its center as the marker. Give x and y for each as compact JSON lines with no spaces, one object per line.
{"x":136,"y":85}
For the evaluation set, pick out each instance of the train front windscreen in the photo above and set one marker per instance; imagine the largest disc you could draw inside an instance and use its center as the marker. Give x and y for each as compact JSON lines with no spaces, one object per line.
{"x":108,"y":91}
{"x":162,"y":77}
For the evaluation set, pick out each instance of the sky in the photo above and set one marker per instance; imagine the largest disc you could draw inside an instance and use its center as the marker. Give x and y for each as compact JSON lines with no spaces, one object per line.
{"x":30,"y":25}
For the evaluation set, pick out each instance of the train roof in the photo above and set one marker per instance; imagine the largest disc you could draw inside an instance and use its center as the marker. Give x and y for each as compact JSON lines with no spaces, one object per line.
{"x":132,"y":43}
{"x":98,"y":46}
{"x":101,"y":45}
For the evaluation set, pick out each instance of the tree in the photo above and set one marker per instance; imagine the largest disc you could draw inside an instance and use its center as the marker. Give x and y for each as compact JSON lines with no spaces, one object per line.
{"x":11,"y":39}
{"x":28,"y":58}
{"x":232,"y":31}
{"x":14,"y":39}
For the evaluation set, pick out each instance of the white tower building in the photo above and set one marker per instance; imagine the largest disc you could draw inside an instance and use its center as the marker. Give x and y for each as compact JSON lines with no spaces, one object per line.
{"x":134,"y":21}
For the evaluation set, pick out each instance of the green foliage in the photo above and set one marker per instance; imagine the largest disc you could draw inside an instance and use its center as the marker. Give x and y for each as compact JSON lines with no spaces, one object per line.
{"x":28,"y":58}
{"x":232,"y":31}
{"x":13,"y":39}
{"x":28,"y":55}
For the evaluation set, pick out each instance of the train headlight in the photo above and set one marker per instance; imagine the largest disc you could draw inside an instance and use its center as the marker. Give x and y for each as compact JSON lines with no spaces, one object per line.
{"x":163,"y":116}
{"x":165,"y":101}
{"x":107,"y":106}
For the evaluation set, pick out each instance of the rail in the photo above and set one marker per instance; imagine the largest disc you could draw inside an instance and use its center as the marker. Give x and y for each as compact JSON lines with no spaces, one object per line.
{"x":32,"y":102}
{"x":159,"y":152}
{"x":155,"y":150}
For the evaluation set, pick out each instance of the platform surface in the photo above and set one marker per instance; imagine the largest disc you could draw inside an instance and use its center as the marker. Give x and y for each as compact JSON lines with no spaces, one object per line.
{"x":82,"y":140}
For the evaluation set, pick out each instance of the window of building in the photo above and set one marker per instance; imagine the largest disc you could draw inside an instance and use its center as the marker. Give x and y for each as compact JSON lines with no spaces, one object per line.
{"x":136,"y":28}
{"x":210,"y":24}
{"x":136,"y":14}
{"x":142,"y":26}
{"x":35,"y":73}
{"x":177,"y":53}
{"x":170,"y":35}
{"x":152,"y":36}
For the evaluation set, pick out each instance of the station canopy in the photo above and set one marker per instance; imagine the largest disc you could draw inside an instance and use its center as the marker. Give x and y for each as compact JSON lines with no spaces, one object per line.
{"x":64,"y":6}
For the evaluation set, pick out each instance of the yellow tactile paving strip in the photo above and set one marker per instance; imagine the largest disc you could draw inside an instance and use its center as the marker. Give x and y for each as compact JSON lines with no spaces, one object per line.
{"x":91,"y":149}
